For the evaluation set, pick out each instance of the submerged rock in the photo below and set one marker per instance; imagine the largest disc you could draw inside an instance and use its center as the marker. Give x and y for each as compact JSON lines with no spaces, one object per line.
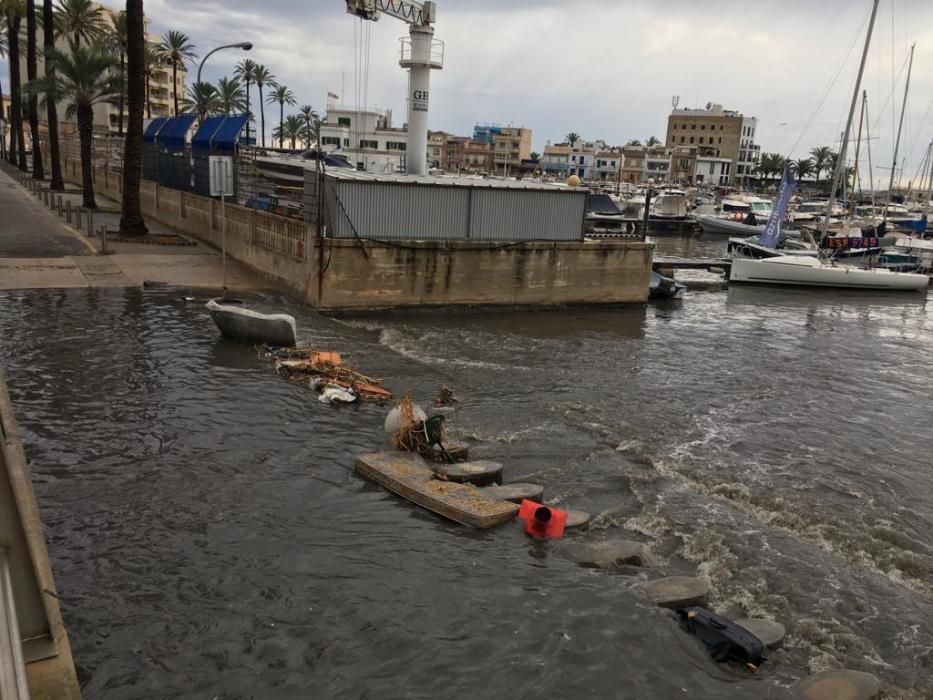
{"x":839,"y":685}
{"x":769,"y":632}
{"x":515,"y":493}
{"x":675,"y":592}
{"x":608,"y":554}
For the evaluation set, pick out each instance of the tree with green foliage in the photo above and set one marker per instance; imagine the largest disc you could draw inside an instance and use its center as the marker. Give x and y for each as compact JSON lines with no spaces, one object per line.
{"x":200,"y":99}
{"x":802,"y":168}
{"x":116,"y":40}
{"x":820,"y":156}
{"x":231,"y":99}
{"x":177,"y":50}
{"x":57,"y":182}
{"x":652,"y":141}
{"x":572,"y":138}
{"x":311,"y":120}
{"x":292,"y":129}
{"x":13,"y":12}
{"x":262,"y":76}
{"x":282,"y":96}
{"x":154,"y":62}
{"x":244,"y":72}
{"x":79,"y":20}
{"x":81,"y":78}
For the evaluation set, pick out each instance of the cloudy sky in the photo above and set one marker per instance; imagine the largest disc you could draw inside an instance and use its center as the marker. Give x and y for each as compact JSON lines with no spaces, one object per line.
{"x":604,"y":68}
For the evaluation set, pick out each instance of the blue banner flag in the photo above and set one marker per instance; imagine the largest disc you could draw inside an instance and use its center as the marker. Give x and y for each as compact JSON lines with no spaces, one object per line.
{"x":772,"y":233}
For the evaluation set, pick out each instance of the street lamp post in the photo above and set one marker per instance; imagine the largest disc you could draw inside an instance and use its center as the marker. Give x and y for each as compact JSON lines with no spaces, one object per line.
{"x":245,"y":45}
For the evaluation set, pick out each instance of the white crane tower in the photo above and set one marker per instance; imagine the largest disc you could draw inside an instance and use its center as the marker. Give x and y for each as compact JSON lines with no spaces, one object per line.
{"x":420,"y":53}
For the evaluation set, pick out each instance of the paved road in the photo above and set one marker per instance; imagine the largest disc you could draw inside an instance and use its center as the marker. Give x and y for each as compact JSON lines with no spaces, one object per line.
{"x":29,"y":230}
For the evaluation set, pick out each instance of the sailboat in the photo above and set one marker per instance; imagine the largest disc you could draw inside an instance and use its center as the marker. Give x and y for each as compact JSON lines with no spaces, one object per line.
{"x":815,"y":272}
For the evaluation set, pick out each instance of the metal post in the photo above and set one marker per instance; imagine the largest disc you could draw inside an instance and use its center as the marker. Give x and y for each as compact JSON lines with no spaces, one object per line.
{"x":90,"y":222}
{"x":223,"y":238}
{"x":68,"y":212}
{"x":103,"y":239}
{"x":58,"y":204}
{"x":647,"y":208}
{"x":78,"y":218}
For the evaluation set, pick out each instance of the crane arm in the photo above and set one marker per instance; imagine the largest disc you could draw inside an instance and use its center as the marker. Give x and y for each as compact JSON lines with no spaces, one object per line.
{"x":410,"y":11}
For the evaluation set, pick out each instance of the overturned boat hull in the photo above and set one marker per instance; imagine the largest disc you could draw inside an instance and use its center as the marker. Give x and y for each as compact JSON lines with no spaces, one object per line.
{"x":246,"y":326}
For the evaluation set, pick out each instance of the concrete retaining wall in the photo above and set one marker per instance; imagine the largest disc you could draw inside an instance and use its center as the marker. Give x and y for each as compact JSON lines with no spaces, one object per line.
{"x":367,"y":274}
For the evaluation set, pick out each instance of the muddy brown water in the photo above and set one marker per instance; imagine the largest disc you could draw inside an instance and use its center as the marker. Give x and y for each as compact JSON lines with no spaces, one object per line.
{"x":210,"y":540}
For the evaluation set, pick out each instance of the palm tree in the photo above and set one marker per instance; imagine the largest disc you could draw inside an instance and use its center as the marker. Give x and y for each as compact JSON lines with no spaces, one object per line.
{"x":634,"y":142}
{"x":81,"y":79}
{"x":57,"y":182}
{"x":116,"y":40}
{"x":3,"y":53}
{"x":311,"y":118}
{"x":262,"y":76}
{"x":131,"y":216}
{"x":292,"y":129}
{"x":230,"y":96}
{"x":153,"y":63}
{"x":283,"y":96}
{"x":820,"y":157}
{"x":177,"y":49}
{"x":244,"y":71}
{"x":652,"y":141}
{"x":201,"y":99}
{"x":13,"y":11}
{"x":32,"y":105}
{"x":534,"y":155}
{"x":79,"y":19}
{"x":802,"y":167}
{"x":572,"y":138}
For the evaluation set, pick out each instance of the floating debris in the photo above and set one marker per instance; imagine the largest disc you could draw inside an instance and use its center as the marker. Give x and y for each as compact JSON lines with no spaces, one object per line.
{"x":247,"y":326}
{"x":675,"y":592}
{"x":325,"y":370}
{"x":839,"y":684}
{"x":516,"y":493}
{"x":725,"y":640}
{"x":608,"y":554}
{"x":445,"y":397}
{"x":769,"y":632}
{"x":479,"y":473}
{"x":337,"y":394}
{"x":410,"y":476}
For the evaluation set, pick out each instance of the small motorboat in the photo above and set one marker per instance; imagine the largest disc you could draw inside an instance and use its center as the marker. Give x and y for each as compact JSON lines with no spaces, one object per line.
{"x":800,"y":270}
{"x":247,"y":326}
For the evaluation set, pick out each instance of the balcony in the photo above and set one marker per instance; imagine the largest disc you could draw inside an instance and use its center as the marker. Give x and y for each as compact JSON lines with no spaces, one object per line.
{"x":408,"y":57}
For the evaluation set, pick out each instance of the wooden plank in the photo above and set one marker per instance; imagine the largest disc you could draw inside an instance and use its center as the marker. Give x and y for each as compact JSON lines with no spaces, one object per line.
{"x":409,"y":476}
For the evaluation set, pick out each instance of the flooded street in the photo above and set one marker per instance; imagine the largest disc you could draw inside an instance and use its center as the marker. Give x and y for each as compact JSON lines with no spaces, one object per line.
{"x":210,"y":539}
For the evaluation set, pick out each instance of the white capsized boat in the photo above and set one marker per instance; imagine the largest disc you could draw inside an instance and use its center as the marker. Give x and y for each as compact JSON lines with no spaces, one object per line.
{"x":798,"y":270}
{"x":728,"y":227}
{"x":248,"y":326}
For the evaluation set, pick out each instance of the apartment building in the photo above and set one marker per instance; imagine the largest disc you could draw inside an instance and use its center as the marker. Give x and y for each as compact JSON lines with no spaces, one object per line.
{"x":367,"y":138}
{"x":510,"y":147}
{"x":477,"y":157}
{"x":564,"y":160}
{"x":608,"y":164}
{"x":715,"y":133}
{"x":107,"y":115}
{"x":458,"y":154}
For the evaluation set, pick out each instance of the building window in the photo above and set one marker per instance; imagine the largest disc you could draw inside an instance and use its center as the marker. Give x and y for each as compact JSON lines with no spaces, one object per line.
{"x":702,"y":127}
{"x":364,"y":143}
{"x":693,"y":126}
{"x":691,"y":139}
{"x":681,"y":139}
{"x":343,"y":121}
{"x":330,"y":141}
{"x":720,"y":139}
{"x":396,"y":146}
{"x":346,"y":143}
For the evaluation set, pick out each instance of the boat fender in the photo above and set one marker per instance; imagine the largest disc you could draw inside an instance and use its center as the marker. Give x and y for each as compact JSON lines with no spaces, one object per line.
{"x":725,"y":640}
{"x":542,"y":521}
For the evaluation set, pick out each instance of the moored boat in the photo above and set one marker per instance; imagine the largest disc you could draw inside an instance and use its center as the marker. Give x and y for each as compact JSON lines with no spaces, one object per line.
{"x":798,"y":270}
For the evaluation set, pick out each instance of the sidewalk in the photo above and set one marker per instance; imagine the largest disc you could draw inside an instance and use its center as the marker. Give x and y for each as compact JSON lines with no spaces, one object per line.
{"x":39,"y":250}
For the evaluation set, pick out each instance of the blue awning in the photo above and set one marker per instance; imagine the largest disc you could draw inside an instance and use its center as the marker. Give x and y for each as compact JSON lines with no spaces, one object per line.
{"x":172,"y":135}
{"x":219,"y":133}
{"x":153,"y":129}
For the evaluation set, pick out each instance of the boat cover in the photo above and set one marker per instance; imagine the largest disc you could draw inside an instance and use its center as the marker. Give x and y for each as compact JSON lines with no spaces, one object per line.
{"x":601,"y":204}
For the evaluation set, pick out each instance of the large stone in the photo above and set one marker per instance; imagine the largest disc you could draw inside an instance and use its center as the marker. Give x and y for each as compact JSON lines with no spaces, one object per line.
{"x":769,"y":632}
{"x":608,"y":554}
{"x":515,"y":493}
{"x":482,"y":472}
{"x":675,"y":592}
{"x":458,"y":451}
{"x":577,"y":518}
{"x":839,"y":685}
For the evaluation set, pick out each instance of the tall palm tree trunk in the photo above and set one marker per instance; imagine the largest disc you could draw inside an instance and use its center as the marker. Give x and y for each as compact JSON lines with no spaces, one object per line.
{"x":120,"y":104}
{"x":48,"y":31}
{"x":2,"y":118}
{"x":17,"y":138}
{"x":248,"y":117}
{"x":148,"y":101}
{"x":262,"y":117}
{"x":131,"y":219}
{"x":32,"y":72}
{"x":85,"y":114}
{"x":175,"y":84}
{"x":281,"y":125}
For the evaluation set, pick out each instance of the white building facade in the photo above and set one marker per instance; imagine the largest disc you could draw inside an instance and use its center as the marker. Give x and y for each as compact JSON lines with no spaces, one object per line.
{"x":366,"y":138}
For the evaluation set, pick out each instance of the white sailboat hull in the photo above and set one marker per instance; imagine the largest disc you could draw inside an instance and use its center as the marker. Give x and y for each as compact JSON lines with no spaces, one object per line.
{"x":727,"y":227}
{"x":809,"y":272}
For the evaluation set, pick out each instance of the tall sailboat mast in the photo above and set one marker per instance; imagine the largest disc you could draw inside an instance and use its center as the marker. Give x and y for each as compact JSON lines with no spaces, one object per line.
{"x":841,"y":159}
{"x":897,"y":142}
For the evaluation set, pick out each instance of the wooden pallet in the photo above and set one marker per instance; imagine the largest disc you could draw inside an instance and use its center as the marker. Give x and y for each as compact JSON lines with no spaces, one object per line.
{"x":409,"y":476}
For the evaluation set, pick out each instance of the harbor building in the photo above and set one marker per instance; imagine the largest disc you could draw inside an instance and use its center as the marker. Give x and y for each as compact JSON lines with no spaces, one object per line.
{"x":458,"y":154}
{"x":510,"y":145}
{"x":160,"y":100}
{"x":713,"y":132}
{"x":608,"y":164}
{"x":368,"y":140}
{"x":564,"y":160}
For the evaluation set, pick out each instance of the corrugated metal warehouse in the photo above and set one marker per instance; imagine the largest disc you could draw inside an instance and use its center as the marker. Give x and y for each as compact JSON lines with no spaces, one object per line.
{"x":403,"y":207}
